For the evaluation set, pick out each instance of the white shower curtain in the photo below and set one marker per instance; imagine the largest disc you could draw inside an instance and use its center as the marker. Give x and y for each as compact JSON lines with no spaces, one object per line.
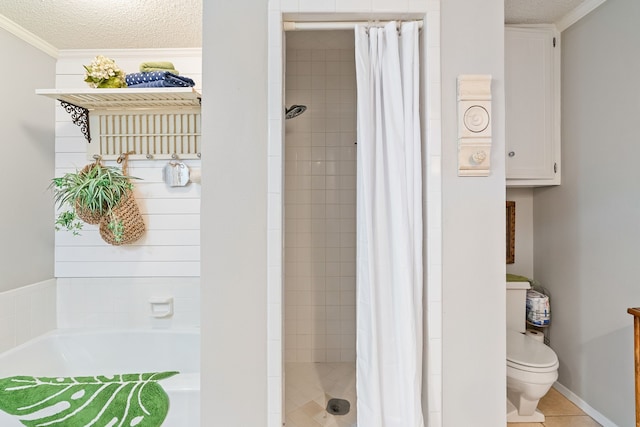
{"x":389,"y":226}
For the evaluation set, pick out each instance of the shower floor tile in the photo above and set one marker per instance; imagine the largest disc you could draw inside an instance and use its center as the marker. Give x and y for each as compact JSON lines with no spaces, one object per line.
{"x":308,"y":388}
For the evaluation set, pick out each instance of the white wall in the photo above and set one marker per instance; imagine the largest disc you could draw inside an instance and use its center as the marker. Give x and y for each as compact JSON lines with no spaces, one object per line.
{"x":104,"y":286}
{"x":123,"y":302}
{"x":234,"y":212}
{"x":27,"y":128}
{"x":171,"y":245}
{"x":27,"y":312}
{"x":238,"y":264}
{"x":473,"y":226}
{"x":320,"y":198}
{"x":587,"y":236}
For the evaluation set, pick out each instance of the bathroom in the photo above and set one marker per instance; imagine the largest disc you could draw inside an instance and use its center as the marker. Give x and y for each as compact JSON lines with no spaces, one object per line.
{"x":570,"y":238}
{"x":228,"y":254}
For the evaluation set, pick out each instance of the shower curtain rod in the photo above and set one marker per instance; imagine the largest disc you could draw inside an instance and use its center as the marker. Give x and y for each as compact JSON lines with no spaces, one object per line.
{"x":338,"y":25}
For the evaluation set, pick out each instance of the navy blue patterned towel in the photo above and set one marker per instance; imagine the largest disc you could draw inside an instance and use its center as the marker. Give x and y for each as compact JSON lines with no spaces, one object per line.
{"x":158,"y":79}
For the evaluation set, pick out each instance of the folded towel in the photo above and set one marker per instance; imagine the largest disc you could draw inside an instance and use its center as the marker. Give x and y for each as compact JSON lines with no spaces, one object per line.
{"x":158,"y":79}
{"x":516,"y":278}
{"x":150,"y":69}
{"x":146,"y":67}
{"x":135,"y":78}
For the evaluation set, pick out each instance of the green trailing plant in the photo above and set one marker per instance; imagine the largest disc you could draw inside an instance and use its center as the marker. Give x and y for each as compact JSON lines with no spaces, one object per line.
{"x":68,"y":220}
{"x":94,"y":190}
{"x":117,"y":228}
{"x":97,"y":189}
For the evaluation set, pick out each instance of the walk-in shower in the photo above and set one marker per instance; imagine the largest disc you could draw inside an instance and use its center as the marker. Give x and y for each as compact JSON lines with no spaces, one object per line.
{"x":320,"y":229}
{"x":321,"y":222}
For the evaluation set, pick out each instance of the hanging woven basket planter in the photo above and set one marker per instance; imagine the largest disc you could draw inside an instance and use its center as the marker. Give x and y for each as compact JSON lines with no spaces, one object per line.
{"x":124,"y":224}
{"x":87,"y":215}
{"x":99,"y":195}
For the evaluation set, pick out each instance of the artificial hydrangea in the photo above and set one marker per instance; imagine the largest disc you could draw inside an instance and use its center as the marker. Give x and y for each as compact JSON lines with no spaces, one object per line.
{"x":104,"y":73}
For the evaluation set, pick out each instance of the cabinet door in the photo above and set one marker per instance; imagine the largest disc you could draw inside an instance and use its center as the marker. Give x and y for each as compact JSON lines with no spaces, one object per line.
{"x":532,"y":99}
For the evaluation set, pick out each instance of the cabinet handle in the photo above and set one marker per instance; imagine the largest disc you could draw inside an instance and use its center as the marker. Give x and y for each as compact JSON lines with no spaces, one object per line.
{"x":512,"y":153}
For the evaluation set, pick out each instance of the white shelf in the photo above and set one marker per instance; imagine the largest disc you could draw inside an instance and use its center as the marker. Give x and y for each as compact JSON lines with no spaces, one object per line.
{"x":151,"y":123}
{"x":125,"y":98}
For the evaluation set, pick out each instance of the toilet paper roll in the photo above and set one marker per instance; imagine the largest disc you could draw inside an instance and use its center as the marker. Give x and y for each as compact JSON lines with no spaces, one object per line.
{"x":536,"y":335}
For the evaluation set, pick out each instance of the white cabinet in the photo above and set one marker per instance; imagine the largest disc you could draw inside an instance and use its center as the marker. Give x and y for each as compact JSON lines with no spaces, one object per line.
{"x":532,"y":90}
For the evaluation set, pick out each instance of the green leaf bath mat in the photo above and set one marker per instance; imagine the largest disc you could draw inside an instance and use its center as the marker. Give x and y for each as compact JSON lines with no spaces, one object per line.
{"x":118,"y":401}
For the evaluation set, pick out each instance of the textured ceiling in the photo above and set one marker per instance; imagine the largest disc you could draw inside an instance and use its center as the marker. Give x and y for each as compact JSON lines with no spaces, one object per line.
{"x":106,"y":24}
{"x":537,"y":11}
{"x":121,"y":24}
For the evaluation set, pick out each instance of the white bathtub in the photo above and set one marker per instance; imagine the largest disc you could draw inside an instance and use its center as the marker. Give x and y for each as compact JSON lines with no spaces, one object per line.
{"x":69,"y":353}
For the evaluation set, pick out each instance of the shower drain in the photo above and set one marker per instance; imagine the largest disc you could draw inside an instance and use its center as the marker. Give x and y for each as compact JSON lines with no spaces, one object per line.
{"x":338,"y":406}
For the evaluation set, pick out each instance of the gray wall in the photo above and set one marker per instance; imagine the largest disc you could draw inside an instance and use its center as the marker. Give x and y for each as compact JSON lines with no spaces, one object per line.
{"x":26,"y":165}
{"x":234,"y":213}
{"x":587,"y":231}
{"x":473,"y":226}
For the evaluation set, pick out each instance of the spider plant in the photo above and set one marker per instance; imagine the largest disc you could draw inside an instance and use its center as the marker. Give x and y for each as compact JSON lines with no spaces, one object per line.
{"x":96,"y":189}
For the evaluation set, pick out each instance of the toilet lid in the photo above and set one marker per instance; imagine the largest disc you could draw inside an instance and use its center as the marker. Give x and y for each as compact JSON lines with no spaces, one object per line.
{"x":525,"y":353}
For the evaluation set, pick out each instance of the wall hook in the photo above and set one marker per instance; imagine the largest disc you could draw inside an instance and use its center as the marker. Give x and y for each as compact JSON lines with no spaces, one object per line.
{"x":123,"y":156}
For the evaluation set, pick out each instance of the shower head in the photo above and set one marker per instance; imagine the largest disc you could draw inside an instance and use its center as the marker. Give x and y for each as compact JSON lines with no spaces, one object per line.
{"x":294,"y":111}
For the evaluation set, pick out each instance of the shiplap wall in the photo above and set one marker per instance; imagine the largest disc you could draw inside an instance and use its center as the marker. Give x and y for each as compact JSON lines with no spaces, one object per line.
{"x":171,"y":245}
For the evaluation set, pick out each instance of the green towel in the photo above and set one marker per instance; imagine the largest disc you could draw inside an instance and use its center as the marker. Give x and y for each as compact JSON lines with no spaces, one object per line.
{"x":127,"y":400}
{"x":149,"y":70}
{"x":516,"y":278}
{"x":147,"y":67}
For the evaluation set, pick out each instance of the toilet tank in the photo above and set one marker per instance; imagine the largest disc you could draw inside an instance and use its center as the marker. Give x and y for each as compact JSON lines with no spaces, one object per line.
{"x":517,"y":305}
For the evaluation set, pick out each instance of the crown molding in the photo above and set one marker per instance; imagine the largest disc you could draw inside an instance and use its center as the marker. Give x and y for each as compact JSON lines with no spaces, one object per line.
{"x":27,"y":36}
{"x":577,"y":14}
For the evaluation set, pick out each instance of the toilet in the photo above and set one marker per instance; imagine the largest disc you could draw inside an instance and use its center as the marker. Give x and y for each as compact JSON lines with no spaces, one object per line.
{"x":532,"y":367}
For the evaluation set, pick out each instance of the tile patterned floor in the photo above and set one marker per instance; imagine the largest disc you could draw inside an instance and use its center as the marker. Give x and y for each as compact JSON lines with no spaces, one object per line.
{"x":559,"y":412}
{"x":308,"y":387}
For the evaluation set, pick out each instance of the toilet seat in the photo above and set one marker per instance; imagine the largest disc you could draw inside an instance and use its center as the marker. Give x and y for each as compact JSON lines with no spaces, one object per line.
{"x":526,"y":354}
{"x":526,"y":368}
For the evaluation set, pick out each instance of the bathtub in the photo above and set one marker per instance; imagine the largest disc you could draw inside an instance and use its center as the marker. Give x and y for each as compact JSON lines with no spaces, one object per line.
{"x":69,"y":353}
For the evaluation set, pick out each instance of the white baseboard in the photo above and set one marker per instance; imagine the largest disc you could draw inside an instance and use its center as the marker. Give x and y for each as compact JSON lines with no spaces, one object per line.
{"x":606,"y":422}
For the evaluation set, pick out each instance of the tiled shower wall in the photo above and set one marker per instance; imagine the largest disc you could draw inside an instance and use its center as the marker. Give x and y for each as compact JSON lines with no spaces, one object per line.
{"x":124,"y":302}
{"x":320,"y":198}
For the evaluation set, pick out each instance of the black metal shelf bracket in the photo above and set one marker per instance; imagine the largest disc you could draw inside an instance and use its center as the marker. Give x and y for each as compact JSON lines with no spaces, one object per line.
{"x":79,"y":117}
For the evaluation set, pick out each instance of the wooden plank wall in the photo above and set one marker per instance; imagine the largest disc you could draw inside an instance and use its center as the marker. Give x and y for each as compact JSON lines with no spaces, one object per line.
{"x":171,"y":245}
